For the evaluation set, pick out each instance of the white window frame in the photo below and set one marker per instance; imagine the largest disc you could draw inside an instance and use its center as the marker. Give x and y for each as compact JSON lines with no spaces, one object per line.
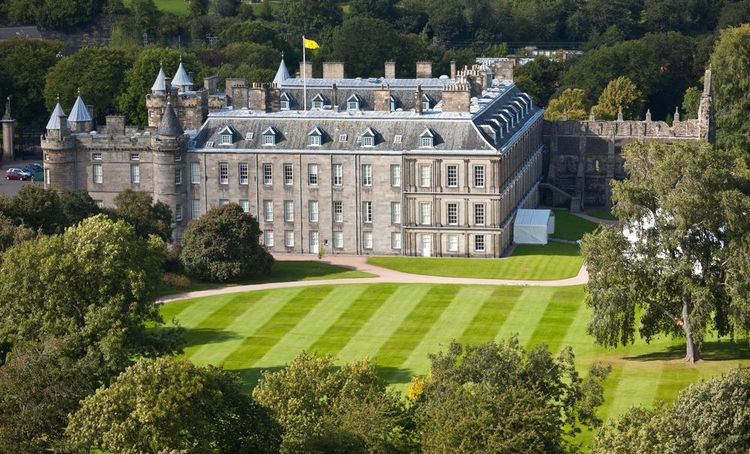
{"x":343,"y":137}
{"x":338,"y":174}
{"x":268,"y":238}
{"x":398,"y":138}
{"x":135,"y":174}
{"x":267,"y":174}
{"x":451,"y":175}
{"x":396,"y":241}
{"x":178,"y":176}
{"x":479,"y":176}
{"x":368,"y":141}
{"x":367,"y":212}
{"x":452,"y":241}
{"x":425,"y":175}
{"x":425,"y":142}
{"x":313,"y":211}
{"x":178,"y":213}
{"x":245,"y":205}
{"x":96,"y":156}
{"x":195,"y":209}
{"x":314,"y":241}
{"x":223,"y":173}
{"x":367,"y":240}
{"x":288,"y":211}
{"x":244,"y":173}
{"x":313,"y":140}
{"x":288,"y":174}
{"x":268,"y":210}
{"x":367,"y":175}
{"x":338,"y":239}
{"x":480,"y":214}
{"x":195,"y":173}
{"x":396,"y":175}
{"x":225,"y":138}
{"x":135,"y":157}
{"x":451,"y":211}
{"x":425,"y":213}
{"x":269,"y":139}
{"x":395,"y":212}
{"x":97,"y":173}
{"x":480,"y":244}
{"x":338,"y":211}
{"x":312,"y":174}
{"x":289,"y":238}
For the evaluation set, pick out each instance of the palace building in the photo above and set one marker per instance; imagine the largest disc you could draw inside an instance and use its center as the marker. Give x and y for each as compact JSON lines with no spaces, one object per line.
{"x":430,"y":166}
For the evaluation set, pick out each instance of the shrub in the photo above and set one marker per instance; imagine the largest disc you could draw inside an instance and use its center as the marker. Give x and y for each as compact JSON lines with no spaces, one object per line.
{"x":176,"y":280}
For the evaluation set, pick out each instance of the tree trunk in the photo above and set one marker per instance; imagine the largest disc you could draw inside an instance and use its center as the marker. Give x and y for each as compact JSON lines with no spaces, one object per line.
{"x":691,"y":350}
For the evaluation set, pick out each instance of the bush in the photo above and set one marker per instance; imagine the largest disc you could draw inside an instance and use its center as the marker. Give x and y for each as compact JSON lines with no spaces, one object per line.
{"x":222,"y":245}
{"x":176,"y":280}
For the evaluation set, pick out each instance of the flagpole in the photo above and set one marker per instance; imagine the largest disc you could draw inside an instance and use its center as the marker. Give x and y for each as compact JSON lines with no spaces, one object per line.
{"x":304,"y":74}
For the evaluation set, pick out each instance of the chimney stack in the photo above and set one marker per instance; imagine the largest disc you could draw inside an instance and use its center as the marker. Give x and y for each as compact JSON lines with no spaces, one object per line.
{"x":115,"y":125}
{"x":456,"y":97}
{"x":418,"y":100}
{"x":424,"y":70}
{"x":305,"y":70}
{"x":209,"y":83}
{"x":382,"y":99}
{"x":453,"y":69}
{"x":333,"y":70}
{"x":390,"y":69}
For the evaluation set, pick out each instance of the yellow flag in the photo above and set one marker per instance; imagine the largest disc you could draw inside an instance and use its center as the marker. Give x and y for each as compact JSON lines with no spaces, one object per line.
{"x":310,"y":44}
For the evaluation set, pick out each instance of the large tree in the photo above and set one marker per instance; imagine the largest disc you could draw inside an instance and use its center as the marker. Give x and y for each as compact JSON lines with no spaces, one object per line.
{"x":620,"y":95}
{"x":323,"y":408}
{"x":363,"y":44}
{"x":39,"y":209}
{"x":569,"y":104}
{"x":731,"y":64}
{"x":711,"y":416}
{"x":502,"y":398}
{"x":672,"y":268}
{"x":312,"y":17}
{"x":539,"y":78}
{"x":170,"y":405}
{"x":222,"y":245}
{"x":147,"y":217}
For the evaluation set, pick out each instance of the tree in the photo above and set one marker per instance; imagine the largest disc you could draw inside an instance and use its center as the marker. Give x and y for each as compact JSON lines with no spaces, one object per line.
{"x":691,"y":102}
{"x":170,"y":405}
{"x":685,"y":16}
{"x":731,"y":62}
{"x":364,"y":44}
{"x":77,"y":205}
{"x":377,"y":9}
{"x":144,"y":16}
{"x":39,"y":209}
{"x":671,"y":270}
{"x":597,"y":17}
{"x":94,"y":284}
{"x":99,"y":74}
{"x":710,"y":416}
{"x":56,"y":14}
{"x":11,"y":234}
{"x":621,"y":95}
{"x":222,"y":245}
{"x":198,"y":7}
{"x":310,"y":16}
{"x":147,"y":217}
{"x":539,"y":78}
{"x":322,"y":408}
{"x":40,"y":384}
{"x":569,"y":103}
{"x":502,"y":398}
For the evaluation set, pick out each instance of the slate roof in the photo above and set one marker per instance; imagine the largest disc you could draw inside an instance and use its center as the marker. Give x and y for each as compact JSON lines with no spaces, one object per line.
{"x":170,"y":125}
{"x":181,"y":77}
{"x":160,"y":84}
{"x":54,"y":119}
{"x":282,"y":73}
{"x":79,"y":112}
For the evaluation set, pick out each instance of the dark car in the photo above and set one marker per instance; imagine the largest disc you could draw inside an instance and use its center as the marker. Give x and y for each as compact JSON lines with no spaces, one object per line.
{"x":15,"y":173}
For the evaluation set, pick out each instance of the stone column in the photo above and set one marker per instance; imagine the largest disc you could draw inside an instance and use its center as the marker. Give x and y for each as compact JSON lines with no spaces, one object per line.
{"x":9,"y":129}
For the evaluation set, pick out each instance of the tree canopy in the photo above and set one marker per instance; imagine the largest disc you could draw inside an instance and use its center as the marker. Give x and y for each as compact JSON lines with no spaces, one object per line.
{"x":730,"y":64}
{"x":674,"y":266}
{"x":569,"y":104}
{"x":620,"y":95}
{"x":138,"y":209}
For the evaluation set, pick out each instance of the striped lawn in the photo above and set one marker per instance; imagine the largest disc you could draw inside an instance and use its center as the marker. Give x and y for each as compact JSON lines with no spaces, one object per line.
{"x":399,"y":325}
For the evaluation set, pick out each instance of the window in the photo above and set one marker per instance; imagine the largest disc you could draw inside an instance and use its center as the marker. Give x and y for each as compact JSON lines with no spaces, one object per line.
{"x":223,"y":173}
{"x":479,"y":243}
{"x":289,"y":238}
{"x":268,"y":238}
{"x":288,"y":211}
{"x":479,"y":176}
{"x":209,"y":144}
{"x":366,"y":174}
{"x":424,"y":213}
{"x":250,"y":136}
{"x":393,"y":105}
{"x":452,"y":243}
{"x":195,"y":208}
{"x":396,"y":175}
{"x":395,"y":212}
{"x":396,"y":240}
{"x":367,"y":240}
{"x":178,"y":158}
{"x":97,"y":172}
{"x":313,"y":140}
{"x":312,"y":209}
{"x":284,"y":105}
{"x":368,"y":141}
{"x":424,"y":176}
{"x":286,"y":101}
{"x":288,"y":175}
{"x":425,"y":142}
{"x":96,"y":156}
{"x":338,"y":240}
{"x":479,"y":214}
{"x":99,"y":203}
{"x":243,"y":173}
{"x":225,"y":139}
{"x":245,"y":205}
{"x":343,"y":137}
{"x":46,"y":176}
{"x":338,"y":211}
{"x":452,"y":176}
{"x":314,"y":241}
{"x":318,"y":101}
{"x":135,"y":157}
{"x":268,"y":210}
{"x":135,"y":174}
{"x":338,"y":174}
{"x":312,"y":174}
{"x":452,"y":214}
{"x":178,"y":213}
{"x":367,"y":212}
{"x":223,"y":202}
{"x":352,"y":103}
{"x":177,"y":176}
{"x":269,"y":137}
{"x":267,"y":174}
{"x":195,"y":173}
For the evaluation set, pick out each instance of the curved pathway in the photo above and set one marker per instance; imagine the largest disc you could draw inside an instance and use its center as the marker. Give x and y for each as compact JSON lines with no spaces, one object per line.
{"x":384,"y":276}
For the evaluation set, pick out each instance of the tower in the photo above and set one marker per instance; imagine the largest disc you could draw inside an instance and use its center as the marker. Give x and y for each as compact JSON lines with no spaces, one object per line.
{"x":80,"y":118}
{"x":59,"y":156}
{"x":706,"y":122}
{"x":9,"y":129}
{"x":169,"y":146}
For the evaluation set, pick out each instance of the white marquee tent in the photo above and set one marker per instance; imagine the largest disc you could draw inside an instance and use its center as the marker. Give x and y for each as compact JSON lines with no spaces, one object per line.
{"x":533,"y":226}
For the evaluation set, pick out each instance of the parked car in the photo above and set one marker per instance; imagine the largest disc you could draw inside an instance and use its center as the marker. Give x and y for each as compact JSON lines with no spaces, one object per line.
{"x":15,"y":173}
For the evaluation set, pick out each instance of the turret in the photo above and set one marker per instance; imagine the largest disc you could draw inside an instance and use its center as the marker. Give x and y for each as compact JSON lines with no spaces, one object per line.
{"x":160,"y":84}
{"x":282,"y":73}
{"x":182,"y":81}
{"x":57,"y":146}
{"x":169,"y":144}
{"x":9,"y":130}
{"x":80,"y":118}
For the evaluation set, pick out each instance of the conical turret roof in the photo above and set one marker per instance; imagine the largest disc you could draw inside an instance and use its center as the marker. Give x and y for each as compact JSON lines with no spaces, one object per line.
{"x":282,"y":73}
{"x":160,"y":84}
{"x":170,"y":125}
{"x":54,"y":119}
{"x":79,"y":112}
{"x":181,"y":77}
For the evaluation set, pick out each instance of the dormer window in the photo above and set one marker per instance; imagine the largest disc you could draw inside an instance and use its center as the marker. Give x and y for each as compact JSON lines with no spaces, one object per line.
{"x":393,"y":103}
{"x":269,"y":136}
{"x":315,"y":137}
{"x":353,"y":102}
{"x":225,"y":139}
{"x":426,"y":102}
{"x":286,"y":101}
{"x":427,"y":139}
{"x":367,"y":138}
{"x":318,"y":101}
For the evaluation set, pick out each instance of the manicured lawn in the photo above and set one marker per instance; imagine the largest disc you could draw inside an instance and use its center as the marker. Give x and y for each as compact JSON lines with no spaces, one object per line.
{"x":550,"y":262}
{"x":281,"y":272}
{"x":179,"y":7}
{"x":399,"y":325}
{"x":570,"y":227}
{"x":602,"y":214}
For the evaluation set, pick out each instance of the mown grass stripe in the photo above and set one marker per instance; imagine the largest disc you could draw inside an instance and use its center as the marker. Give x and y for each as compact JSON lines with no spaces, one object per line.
{"x":383,"y":323}
{"x":312,"y":326}
{"x":525,"y":315}
{"x":351,"y":321}
{"x":196,"y":310}
{"x":260,"y":307}
{"x":256,"y":345}
{"x":637,"y":385}
{"x":412,"y":330}
{"x":557,"y":318}
{"x":491,"y":315}
{"x":453,"y":321}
